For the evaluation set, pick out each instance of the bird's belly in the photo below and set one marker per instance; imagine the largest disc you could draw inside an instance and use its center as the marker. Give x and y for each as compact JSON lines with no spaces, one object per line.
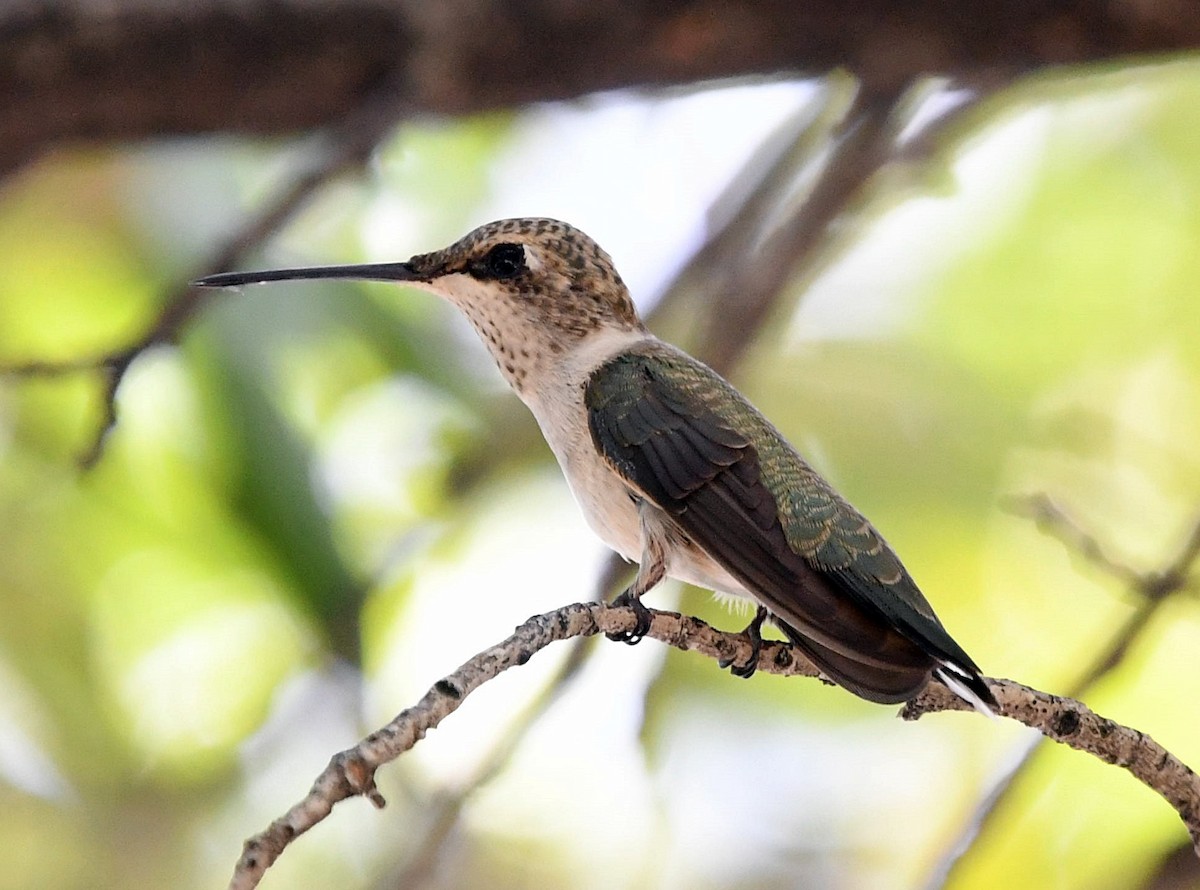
{"x":610,"y":508}
{"x":689,"y":563}
{"x":695,"y":567}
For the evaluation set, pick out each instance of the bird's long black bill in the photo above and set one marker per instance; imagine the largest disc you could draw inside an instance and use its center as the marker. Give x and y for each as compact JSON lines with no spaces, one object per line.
{"x":365,"y":272}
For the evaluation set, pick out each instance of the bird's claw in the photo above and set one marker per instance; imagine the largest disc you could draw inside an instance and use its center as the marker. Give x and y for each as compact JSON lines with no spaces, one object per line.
{"x":642,"y":619}
{"x":747,"y":670}
{"x":753,"y":635}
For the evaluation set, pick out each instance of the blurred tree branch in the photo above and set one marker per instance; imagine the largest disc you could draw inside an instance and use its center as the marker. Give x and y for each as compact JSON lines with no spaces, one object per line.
{"x":1152,"y":590}
{"x":860,"y":146}
{"x":76,"y":70}
{"x":345,"y":147}
{"x":352,"y":772}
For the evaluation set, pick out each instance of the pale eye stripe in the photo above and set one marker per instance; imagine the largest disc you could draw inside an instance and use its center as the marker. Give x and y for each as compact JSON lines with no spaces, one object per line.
{"x":533,"y":260}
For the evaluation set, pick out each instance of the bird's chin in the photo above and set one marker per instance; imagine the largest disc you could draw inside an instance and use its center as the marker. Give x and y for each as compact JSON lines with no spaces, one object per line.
{"x":459,"y":289}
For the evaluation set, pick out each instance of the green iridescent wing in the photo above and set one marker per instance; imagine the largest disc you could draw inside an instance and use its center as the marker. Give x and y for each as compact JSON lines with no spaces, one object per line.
{"x":692,"y":445}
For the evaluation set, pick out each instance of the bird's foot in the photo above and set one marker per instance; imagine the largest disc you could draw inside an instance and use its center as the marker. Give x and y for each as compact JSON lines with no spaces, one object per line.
{"x":642,"y":618}
{"x":753,"y":633}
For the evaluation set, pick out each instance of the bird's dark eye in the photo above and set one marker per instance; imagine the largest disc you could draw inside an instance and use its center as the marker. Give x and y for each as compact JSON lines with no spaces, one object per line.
{"x":502,"y":261}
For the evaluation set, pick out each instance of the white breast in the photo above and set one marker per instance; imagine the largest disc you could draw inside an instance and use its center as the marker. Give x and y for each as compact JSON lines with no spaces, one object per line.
{"x":557,"y":403}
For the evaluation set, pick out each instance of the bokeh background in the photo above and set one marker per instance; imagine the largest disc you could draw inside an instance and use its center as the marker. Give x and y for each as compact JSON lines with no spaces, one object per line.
{"x":323,"y":499}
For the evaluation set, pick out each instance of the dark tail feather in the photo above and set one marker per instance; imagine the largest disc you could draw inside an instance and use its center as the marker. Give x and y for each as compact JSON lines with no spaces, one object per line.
{"x":893,"y":683}
{"x":885,"y":685}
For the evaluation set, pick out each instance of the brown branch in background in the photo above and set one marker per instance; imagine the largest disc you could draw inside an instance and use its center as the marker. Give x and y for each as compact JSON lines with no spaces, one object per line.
{"x":1152,"y":589}
{"x":352,"y":772}
{"x":1053,"y":520}
{"x":749,"y":262}
{"x":77,"y":70}
{"x":741,"y":213}
{"x":349,"y":146}
{"x":861,"y":144}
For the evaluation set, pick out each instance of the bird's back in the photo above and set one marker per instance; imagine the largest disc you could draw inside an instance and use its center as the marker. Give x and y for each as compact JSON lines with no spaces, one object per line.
{"x":735,"y":488}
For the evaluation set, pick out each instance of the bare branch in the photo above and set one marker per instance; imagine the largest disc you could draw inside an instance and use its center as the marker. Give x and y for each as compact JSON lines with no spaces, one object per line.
{"x":1072,"y":723}
{"x":1153,"y":589}
{"x":860,"y":145}
{"x":352,"y":772}
{"x":750,"y":263}
{"x":1053,"y":520}
{"x":740,"y":214}
{"x":448,"y":806}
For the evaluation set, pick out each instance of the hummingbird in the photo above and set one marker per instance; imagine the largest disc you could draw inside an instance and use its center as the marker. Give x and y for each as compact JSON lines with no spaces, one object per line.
{"x":672,"y":467}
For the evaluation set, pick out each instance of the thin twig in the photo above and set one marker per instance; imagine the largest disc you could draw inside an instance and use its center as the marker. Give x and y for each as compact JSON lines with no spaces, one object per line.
{"x":448,"y":806}
{"x":352,"y":772}
{"x":1053,"y":520}
{"x":348,"y":145}
{"x":1152,"y":588}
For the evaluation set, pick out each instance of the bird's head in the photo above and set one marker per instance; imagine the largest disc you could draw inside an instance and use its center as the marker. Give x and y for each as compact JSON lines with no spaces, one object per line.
{"x":532,"y":288}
